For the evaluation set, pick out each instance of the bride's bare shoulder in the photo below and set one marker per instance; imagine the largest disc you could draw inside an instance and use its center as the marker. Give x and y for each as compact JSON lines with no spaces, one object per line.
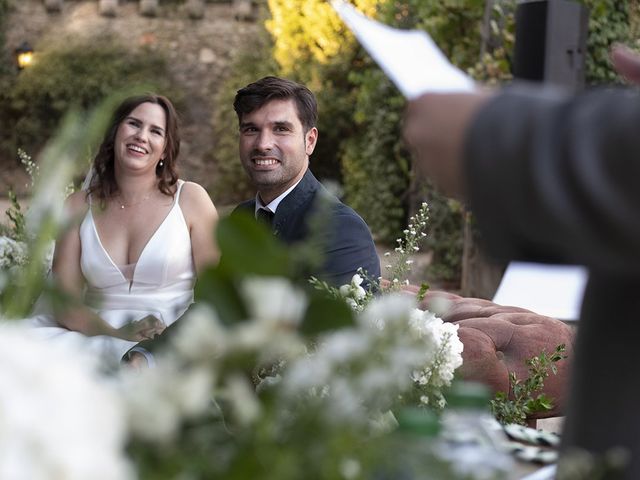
{"x":195,"y":195}
{"x":77,"y":203}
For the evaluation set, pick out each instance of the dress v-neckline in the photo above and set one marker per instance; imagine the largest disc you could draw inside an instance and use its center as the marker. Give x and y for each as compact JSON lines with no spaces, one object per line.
{"x":137,"y":262}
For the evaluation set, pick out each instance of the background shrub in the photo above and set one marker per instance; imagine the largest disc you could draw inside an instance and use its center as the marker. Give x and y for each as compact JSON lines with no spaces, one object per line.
{"x":74,"y":74}
{"x":5,"y":62}
{"x":231,"y":183}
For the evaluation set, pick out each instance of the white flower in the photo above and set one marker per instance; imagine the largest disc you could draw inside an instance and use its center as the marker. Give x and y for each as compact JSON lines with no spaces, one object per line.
{"x":352,"y":303}
{"x":345,"y":290}
{"x":393,"y":308}
{"x":242,"y":397}
{"x":443,"y":351}
{"x":201,"y":335}
{"x":274,"y":300}
{"x":58,"y":417}
{"x":159,"y":399}
{"x":350,"y":468}
{"x":12,"y":253}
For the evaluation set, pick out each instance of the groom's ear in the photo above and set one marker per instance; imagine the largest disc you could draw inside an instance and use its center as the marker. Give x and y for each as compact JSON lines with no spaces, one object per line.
{"x":310,"y":140}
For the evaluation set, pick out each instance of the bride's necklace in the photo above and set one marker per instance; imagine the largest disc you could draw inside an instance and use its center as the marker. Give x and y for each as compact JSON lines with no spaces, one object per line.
{"x":124,"y":205}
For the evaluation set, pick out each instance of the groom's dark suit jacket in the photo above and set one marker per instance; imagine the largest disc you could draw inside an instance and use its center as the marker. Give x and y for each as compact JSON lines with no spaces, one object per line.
{"x":347,"y":243}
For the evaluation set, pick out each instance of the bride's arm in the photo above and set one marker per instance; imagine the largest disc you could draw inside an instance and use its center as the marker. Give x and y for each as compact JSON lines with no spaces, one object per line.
{"x":68,"y":276}
{"x":201,"y":216}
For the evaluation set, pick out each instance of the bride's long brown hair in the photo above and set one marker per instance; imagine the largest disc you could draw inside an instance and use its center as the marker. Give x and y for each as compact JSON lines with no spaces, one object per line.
{"x":103,"y":182}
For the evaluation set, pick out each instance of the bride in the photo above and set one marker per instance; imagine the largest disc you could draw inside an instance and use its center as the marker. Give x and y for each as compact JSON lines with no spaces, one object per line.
{"x":130,"y":265}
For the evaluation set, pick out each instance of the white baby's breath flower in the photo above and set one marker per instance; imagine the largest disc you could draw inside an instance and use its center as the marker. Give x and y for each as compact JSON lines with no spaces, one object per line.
{"x":201,"y":335}
{"x":242,"y":397}
{"x":274,"y":300}
{"x":12,"y":253}
{"x":58,"y":417}
{"x":352,"y":303}
{"x":305,"y":374}
{"x":350,"y":468}
{"x":388,"y":308}
{"x":343,"y":345}
{"x":159,"y":399}
{"x":153,"y":416}
{"x":193,"y":391}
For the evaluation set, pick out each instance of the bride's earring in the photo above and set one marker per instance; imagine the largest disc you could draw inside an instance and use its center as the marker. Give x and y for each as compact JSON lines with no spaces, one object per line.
{"x":161,"y":164}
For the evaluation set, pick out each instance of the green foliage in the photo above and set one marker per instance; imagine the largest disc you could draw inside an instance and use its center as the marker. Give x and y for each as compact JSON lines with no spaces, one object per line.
{"x":523,"y":401}
{"x":5,"y":59}
{"x":376,"y":168}
{"x":74,"y":74}
{"x":445,"y":240}
{"x":16,"y":217}
{"x":253,"y":62}
{"x":407,"y":245}
{"x":608,"y":23}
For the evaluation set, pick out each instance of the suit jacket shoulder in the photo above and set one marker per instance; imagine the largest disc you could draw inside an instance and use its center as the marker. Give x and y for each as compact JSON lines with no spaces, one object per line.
{"x":346,"y":241}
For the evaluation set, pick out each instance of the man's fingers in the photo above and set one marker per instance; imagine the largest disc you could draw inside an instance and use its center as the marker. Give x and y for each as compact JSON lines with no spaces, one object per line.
{"x":626,"y":62}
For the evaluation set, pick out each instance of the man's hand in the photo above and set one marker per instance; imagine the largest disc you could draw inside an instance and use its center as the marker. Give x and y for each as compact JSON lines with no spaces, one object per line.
{"x":136,"y":361}
{"x":144,"y":329}
{"x":435,"y":126}
{"x":626,"y":62}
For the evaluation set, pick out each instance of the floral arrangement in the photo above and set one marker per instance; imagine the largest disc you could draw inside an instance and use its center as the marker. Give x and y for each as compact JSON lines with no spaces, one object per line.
{"x":12,"y":253}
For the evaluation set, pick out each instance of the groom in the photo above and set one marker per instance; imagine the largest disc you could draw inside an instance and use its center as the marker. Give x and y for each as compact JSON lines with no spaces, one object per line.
{"x":277,"y":121}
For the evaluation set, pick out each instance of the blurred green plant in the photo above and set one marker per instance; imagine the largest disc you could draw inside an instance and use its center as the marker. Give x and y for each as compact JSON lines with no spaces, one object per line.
{"x":79,"y":74}
{"x":5,"y":62}
{"x":609,"y":22}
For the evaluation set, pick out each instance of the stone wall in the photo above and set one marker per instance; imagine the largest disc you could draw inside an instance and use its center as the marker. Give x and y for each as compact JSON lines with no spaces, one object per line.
{"x":199,"y":53}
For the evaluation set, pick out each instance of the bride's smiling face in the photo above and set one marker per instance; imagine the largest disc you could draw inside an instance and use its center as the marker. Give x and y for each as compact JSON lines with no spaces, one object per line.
{"x":141,"y":138}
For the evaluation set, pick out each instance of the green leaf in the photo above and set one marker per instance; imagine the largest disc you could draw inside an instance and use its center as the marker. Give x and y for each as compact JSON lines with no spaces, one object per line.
{"x":246,"y":248}
{"x":325,"y":313}
{"x":218,"y":290}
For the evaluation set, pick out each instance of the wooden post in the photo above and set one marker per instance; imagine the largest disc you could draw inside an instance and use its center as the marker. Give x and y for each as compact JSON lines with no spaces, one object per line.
{"x":108,"y":8}
{"x":243,"y":10}
{"x":481,"y":275}
{"x":53,"y":6}
{"x":195,"y":9}
{"x":149,"y":8}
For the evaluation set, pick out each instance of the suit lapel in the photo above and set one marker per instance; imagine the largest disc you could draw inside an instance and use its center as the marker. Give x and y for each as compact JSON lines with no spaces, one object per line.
{"x":288,"y":221}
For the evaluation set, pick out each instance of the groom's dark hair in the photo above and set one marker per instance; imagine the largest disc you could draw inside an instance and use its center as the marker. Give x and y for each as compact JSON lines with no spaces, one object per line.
{"x":256,"y":94}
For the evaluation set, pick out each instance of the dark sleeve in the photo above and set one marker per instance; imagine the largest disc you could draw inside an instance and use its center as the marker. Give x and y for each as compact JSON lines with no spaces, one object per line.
{"x":556,"y":178}
{"x":350,"y":247}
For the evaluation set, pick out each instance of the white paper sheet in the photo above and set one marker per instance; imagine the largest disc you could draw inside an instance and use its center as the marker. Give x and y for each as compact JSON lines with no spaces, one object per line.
{"x":552,"y":290}
{"x":410,"y":58}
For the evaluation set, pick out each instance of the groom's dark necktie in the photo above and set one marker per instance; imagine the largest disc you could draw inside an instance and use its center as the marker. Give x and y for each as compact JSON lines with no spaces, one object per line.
{"x":265,"y":216}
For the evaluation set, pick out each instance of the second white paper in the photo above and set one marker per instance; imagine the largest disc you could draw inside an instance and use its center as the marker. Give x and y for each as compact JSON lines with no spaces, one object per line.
{"x":410,"y":58}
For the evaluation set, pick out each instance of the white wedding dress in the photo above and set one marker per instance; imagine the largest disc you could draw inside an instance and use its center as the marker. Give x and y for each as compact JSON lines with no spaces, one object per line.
{"x":160,"y":283}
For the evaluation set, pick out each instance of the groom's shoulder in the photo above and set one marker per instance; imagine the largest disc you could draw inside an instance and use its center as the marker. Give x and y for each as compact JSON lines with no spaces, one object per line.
{"x":246,"y":206}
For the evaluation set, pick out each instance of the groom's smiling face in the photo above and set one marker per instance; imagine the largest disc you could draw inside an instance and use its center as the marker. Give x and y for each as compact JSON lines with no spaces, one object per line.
{"x":274,"y":148}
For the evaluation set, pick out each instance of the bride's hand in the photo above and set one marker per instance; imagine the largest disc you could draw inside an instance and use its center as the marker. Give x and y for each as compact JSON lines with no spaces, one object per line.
{"x":144,"y":329}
